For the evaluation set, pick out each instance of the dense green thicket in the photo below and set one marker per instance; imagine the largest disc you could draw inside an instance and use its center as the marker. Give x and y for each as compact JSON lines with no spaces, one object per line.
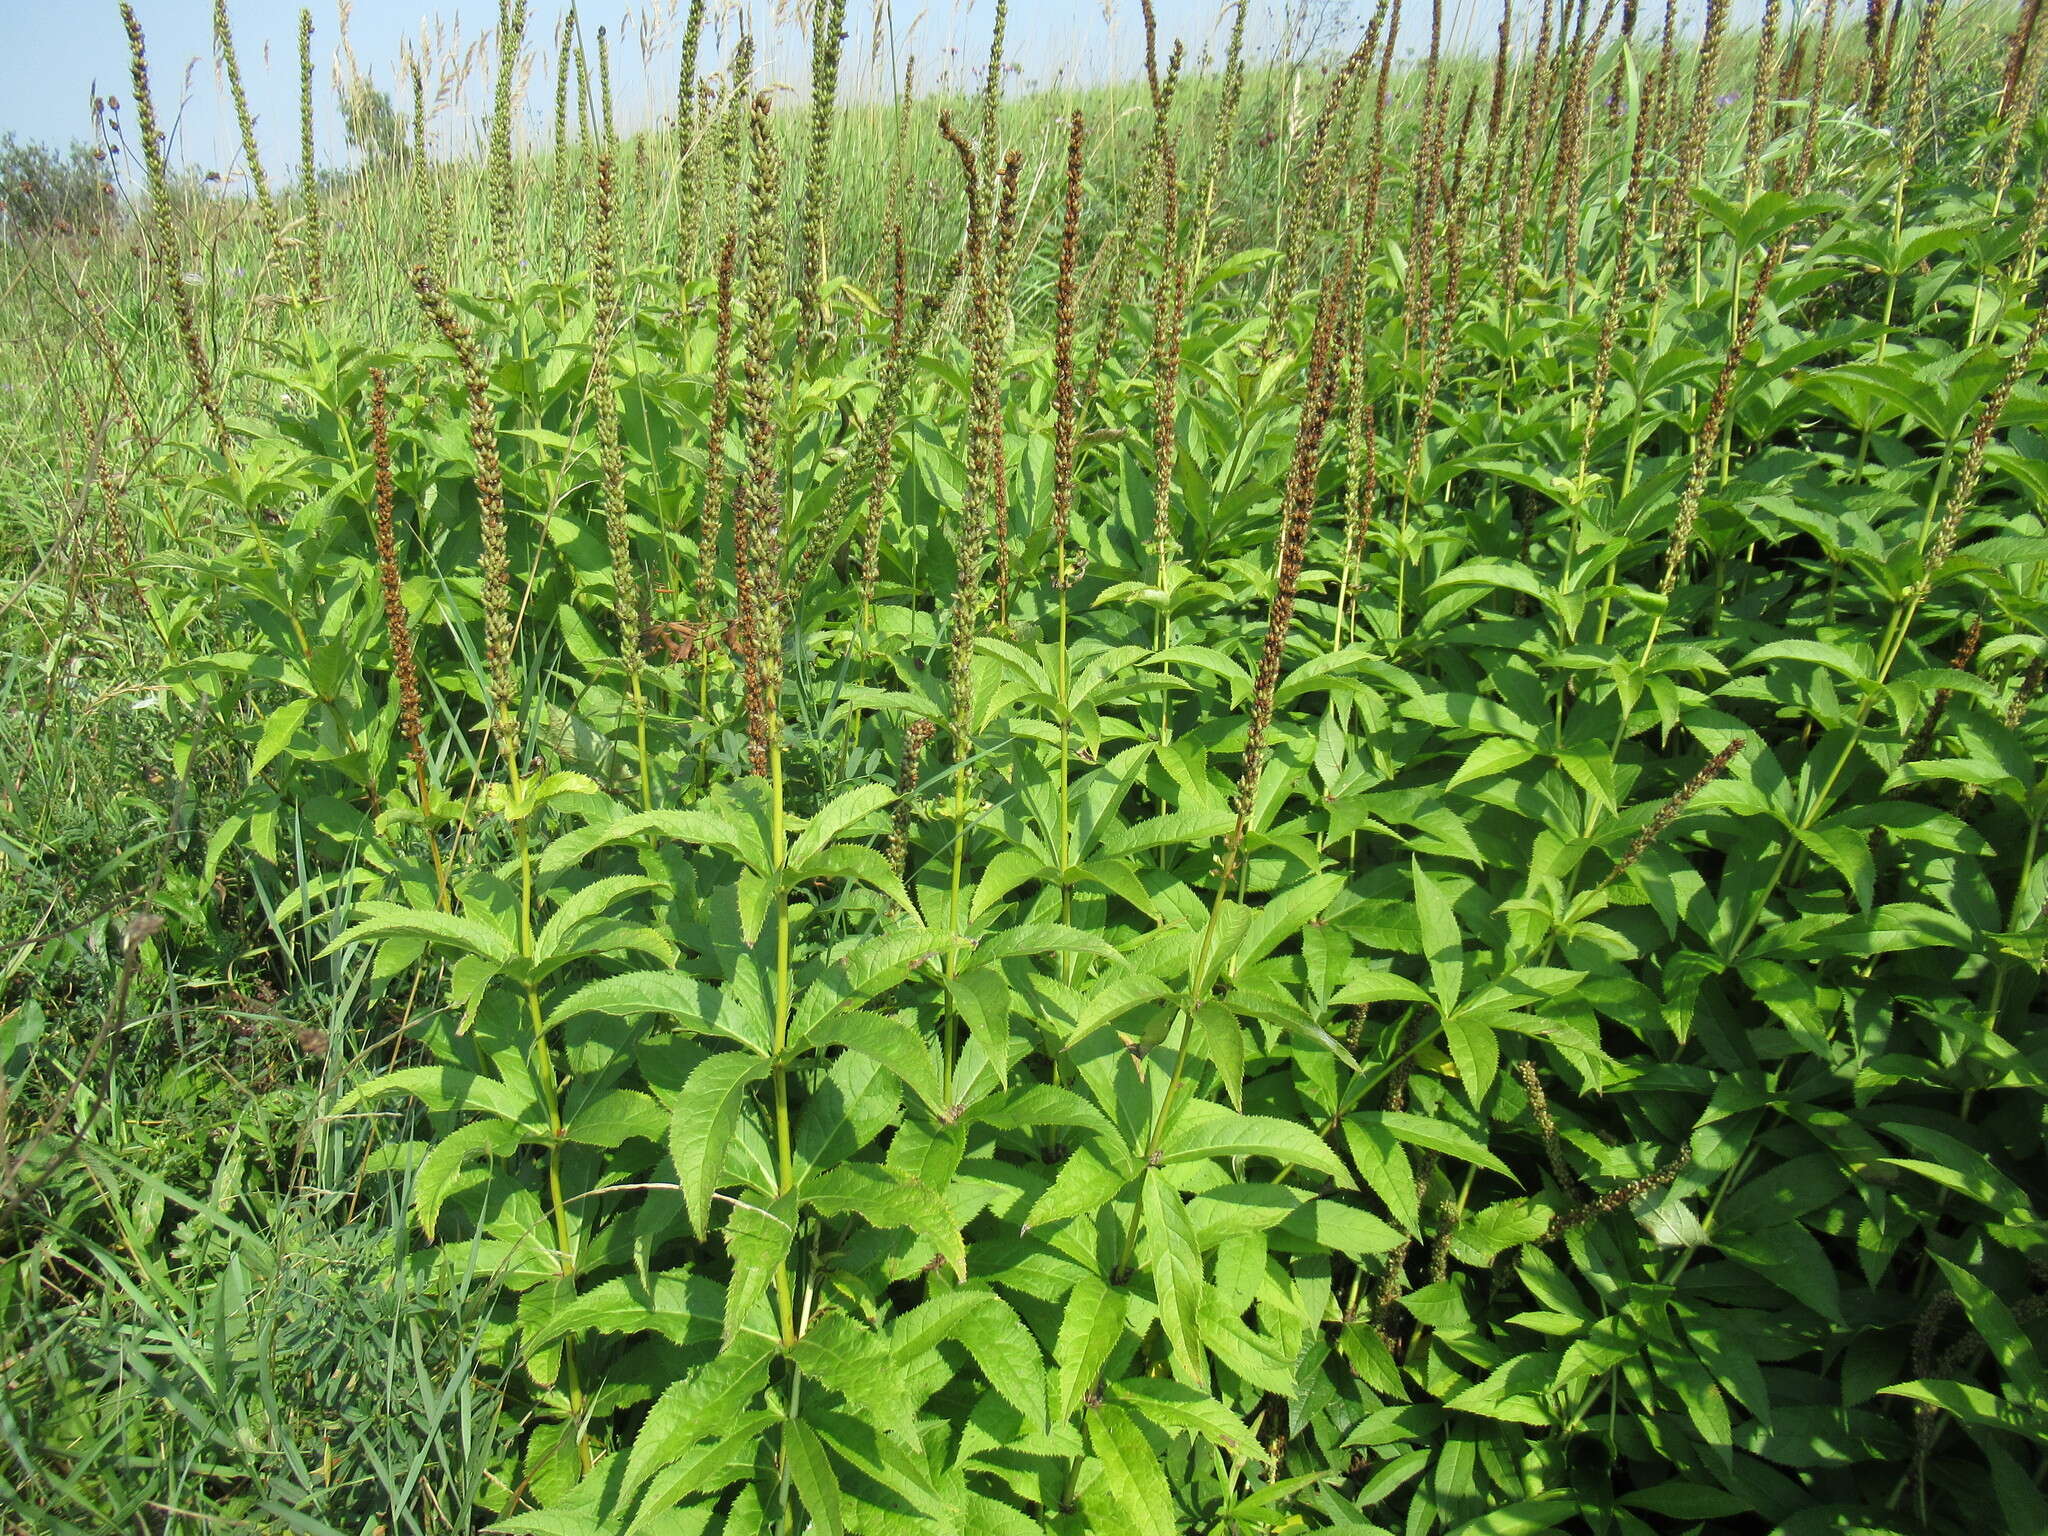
{"x":1295,"y":800}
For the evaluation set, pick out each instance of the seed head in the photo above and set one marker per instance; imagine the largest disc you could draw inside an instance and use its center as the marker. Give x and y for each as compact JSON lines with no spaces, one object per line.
{"x":1674,"y":807}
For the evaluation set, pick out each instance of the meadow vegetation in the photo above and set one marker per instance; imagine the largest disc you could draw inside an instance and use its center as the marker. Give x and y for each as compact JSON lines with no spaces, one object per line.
{"x":1303,"y":795}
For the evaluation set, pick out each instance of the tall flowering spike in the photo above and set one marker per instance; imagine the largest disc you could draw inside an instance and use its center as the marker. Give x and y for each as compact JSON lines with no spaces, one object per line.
{"x":2021,"y":58}
{"x":1376,"y":157}
{"x":1502,"y":56}
{"x":1707,"y":440}
{"x":916,"y":737}
{"x":1318,"y":171}
{"x":1361,"y":483}
{"x":827,"y":37}
{"x":995,"y":345}
{"x":1166,"y":326}
{"x":490,"y":495}
{"x":1917,"y":86}
{"x":711,"y":514}
{"x":1617,"y":292}
{"x":1964,"y":491}
{"x":1066,"y":295}
{"x":884,"y":427}
{"x":688,"y":124}
{"x":1567,"y":178}
{"x":422,"y":170}
{"x":309,"y":171}
{"x":971,"y":545}
{"x":731,"y":162}
{"x":1297,"y":510}
{"x":686,"y":79}
{"x":1664,"y":108}
{"x":224,"y":45}
{"x":2016,"y":108}
{"x":1546,"y":1125}
{"x":1428,"y":180}
{"x":992,"y":85}
{"x":1874,"y":61}
{"x":1762,"y":106}
{"x":1692,"y":153}
{"x":164,"y":232}
{"x":874,"y":459}
{"x":1966,"y":653}
{"x":611,"y":448}
{"x":558,"y":169}
{"x":1883,"y":78}
{"x":1516,"y":191}
{"x":1674,"y":807}
{"x":760,"y":508}
{"x":1110,"y":329}
{"x":1225,"y":128}
{"x":874,"y":454}
{"x":1439,"y":351}
{"x":500,"y":183}
{"x":1809,"y":143}
{"x":397,"y":624}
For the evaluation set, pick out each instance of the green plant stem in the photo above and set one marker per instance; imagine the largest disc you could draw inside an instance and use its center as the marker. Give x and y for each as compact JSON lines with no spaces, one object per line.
{"x":551,"y":1105}
{"x":785,"y":1174}
{"x":1198,"y":977}
{"x":1892,"y":644}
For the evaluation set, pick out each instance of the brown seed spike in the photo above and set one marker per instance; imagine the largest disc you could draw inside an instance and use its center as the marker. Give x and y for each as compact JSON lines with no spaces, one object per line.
{"x":916,"y":737}
{"x":1297,"y":509}
{"x":1674,"y":807}
{"x":490,"y":495}
{"x":165,"y":237}
{"x":397,"y":624}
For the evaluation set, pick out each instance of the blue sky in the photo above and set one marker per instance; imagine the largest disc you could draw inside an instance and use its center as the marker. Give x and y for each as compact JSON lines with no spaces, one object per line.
{"x":55,"y":54}
{"x":54,"y":57}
